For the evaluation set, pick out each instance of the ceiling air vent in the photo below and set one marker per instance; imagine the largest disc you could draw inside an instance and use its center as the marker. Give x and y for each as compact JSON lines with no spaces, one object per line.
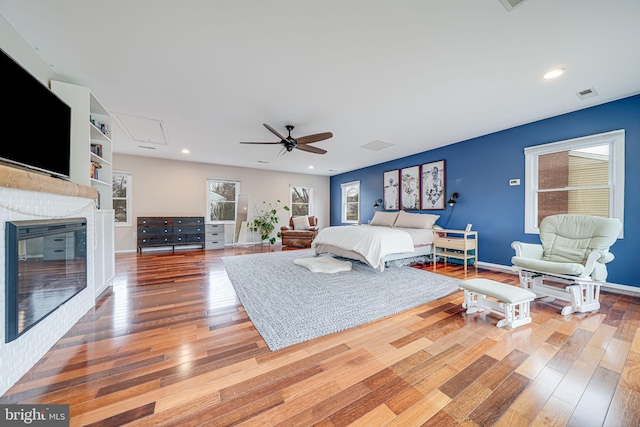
{"x":377,"y":145}
{"x":587,"y":93}
{"x":511,"y":4}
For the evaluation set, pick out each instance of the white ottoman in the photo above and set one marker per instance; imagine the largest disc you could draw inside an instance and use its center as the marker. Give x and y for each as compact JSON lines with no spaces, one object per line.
{"x":512,"y":302}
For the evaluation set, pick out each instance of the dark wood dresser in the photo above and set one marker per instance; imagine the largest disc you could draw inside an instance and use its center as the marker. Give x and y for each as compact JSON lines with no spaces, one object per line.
{"x":170,"y":231}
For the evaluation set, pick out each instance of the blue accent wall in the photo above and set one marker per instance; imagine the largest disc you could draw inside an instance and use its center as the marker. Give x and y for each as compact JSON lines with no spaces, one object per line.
{"x":479,"y":169}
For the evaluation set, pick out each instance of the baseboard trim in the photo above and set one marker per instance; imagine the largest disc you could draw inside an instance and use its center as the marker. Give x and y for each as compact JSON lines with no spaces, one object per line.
{"x":615,"y":287}
{"x":496,"y":267}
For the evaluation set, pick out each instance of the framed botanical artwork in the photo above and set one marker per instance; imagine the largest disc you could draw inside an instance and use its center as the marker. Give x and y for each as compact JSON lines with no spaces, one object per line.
{"x":410,"y":188}
{"x":390,"y":185}
{"x":433,"y":185}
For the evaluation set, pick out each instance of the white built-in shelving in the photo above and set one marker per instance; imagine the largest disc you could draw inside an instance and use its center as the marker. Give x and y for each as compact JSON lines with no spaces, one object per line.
{"x":91,"y":148}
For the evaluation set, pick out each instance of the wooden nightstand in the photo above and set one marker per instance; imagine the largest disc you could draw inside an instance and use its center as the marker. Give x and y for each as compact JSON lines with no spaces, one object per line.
{"x":458,"y":244}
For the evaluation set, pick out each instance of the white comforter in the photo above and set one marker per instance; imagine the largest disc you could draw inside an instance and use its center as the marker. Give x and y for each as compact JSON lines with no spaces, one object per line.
{"x":373,"y":243}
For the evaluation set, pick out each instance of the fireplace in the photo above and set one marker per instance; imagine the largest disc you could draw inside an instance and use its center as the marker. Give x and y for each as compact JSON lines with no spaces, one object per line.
{"x":46,"y":266}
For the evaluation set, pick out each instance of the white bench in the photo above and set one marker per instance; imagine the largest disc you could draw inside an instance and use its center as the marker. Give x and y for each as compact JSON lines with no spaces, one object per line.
{"x":512,"y":302}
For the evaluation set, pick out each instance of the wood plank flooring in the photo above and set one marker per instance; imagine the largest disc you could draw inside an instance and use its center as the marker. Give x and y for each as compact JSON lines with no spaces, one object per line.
{"x":170,"y":345}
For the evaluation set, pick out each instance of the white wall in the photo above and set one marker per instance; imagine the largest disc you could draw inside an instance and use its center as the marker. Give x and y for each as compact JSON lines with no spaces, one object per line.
{"x":17,"y":47}
{"x":175,"y":188}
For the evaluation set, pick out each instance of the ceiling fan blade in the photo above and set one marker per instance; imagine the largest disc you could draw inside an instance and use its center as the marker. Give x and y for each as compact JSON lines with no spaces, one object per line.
{"x":314,"y":138}
{"x":260,"y":143}
{"x":311,"y":149}
{"x":273,"y":131}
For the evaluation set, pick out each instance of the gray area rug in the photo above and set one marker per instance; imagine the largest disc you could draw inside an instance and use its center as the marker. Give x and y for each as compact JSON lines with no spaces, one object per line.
{"x":289,"y":304}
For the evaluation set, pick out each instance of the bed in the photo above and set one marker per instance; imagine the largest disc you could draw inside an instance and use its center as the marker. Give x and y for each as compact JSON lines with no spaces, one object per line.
{"x":390,"y":236}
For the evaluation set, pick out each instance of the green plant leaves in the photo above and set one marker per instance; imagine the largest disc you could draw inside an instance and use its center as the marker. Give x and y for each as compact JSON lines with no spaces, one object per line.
{"x":265,"y":220}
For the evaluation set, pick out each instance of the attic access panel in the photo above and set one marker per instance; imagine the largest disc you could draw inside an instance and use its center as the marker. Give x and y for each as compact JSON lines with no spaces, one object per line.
{"x":511,"y":4}
{"x":140,"y":129}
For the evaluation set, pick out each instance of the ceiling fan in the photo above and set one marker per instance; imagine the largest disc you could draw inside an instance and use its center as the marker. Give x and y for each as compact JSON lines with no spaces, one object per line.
{"x":289,"y":143}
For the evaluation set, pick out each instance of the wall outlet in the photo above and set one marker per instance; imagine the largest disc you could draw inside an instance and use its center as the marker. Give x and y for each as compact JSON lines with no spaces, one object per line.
{"x":513,"y":182}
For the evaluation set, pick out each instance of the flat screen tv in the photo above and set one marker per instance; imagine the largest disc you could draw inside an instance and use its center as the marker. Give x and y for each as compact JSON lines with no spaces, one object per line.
{"x":36,"y":124}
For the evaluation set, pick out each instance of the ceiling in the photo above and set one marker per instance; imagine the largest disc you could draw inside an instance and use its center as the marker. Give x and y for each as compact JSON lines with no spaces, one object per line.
{"x":418,"y":74}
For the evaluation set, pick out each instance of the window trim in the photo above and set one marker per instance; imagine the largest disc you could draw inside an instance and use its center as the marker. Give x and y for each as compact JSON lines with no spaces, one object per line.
{"x":615,"y":140}
{"x":208,"y":219}
{"x":127,"y":199}
{"x":343,"y":203}
{"x":309,"y":188}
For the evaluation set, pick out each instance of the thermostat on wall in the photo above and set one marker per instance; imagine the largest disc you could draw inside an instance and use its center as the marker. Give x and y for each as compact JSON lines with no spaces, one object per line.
{"x":513,"y":182}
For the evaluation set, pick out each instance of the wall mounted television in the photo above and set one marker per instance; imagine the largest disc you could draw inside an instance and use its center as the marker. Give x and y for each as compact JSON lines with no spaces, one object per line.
{"x":35,"y":122}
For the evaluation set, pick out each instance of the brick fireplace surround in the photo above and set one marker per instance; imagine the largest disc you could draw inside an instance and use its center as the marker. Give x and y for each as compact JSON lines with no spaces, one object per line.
{"x":30,"y":196}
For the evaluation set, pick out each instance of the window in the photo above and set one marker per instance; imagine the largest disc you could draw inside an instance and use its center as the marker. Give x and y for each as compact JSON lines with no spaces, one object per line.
{"x":577,"y":176}
{"x":121,"y":185}
{"x":221,"y":200}
{"x":351,"y":201}
{"x":300,"y":200}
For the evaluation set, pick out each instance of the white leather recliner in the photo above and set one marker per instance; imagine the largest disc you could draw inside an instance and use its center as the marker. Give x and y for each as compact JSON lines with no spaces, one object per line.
{"x":574,"y":251}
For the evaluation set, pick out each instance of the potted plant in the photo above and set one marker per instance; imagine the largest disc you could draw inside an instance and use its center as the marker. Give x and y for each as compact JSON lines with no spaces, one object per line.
{"x":265,"y":221}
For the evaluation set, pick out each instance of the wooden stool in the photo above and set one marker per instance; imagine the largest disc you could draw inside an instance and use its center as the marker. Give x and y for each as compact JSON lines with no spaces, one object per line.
{"x":512,"y":302}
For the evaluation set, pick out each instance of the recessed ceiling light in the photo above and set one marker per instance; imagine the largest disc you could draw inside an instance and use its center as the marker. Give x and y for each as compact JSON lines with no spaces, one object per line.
{"x":185,"y":151}
{"x":554,"y":73}
{"x":310,"y":166}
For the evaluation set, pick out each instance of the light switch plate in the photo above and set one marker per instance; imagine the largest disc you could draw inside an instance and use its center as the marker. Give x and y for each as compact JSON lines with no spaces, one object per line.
{"x":513,"y":182}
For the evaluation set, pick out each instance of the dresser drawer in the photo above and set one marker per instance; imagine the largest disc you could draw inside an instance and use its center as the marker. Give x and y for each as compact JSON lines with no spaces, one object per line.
{"x":214,"y":244}
{"x":454,"y":243}
{"x":56,"y":242}
{"x":145,"y":231}
{"x":189,"y":238}
{"x":54,"y":254}
{"x":214,"y":236}
{"x":195,"y":220}
{"x":161,"y":221}
{"x":187,"y":229}
{"x":155,"y":241}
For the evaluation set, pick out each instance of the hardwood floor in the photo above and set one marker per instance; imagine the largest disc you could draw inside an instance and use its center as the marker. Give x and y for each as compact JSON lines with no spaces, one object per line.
{"x":169,"y":345}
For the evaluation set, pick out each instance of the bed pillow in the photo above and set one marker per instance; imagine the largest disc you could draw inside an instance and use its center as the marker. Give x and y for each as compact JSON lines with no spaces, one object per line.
{"x":407,"y":220}
{"x":385,"y":219}
{"x":301,"y":223}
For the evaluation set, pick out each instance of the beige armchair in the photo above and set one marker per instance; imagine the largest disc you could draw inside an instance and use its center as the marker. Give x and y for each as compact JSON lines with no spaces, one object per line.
{"x":574,"y":251}
{"x":300,"y":233}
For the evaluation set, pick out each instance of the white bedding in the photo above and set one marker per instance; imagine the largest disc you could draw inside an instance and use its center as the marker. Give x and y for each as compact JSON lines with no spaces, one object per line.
{"x":372,"y":243}
{"x":419,"y":236}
